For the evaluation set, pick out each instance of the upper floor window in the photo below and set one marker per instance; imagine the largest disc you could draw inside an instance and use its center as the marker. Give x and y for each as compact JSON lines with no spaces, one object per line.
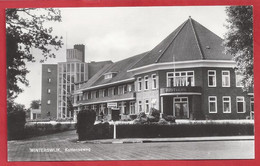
{"x":49,"y":70}
{"x":97,"y":94}
{"x":139,"y":83}
{"x":225,"y":78}
{"x":238,"y":80}
{"x":212,"y":104}
{"x":183,"y":78}
{"x":154,"y":81}
{"x":212,"y":78}
{"x":121,"y":90}
{"x":226,"y":104}
{"x":49,"y":80}
{"x":241,"y":107}
{"x":49,"y":91}
{"x":110,"y":91}
{"x":146,"y":83}
{"x":105,"y":92}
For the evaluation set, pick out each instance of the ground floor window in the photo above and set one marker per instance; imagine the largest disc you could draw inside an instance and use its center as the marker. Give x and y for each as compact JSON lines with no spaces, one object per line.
{"x":212,"y":104}
{"x":146,"y":106}
{"x":241,"y":104}
{"x":140,"y":106}
{"x":132,"y":107}
{"x":226,"y":104}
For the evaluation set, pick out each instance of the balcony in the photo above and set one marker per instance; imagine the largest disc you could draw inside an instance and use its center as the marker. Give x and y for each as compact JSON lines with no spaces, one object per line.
{"x":180,"y":90}
{"x":121,"y":97}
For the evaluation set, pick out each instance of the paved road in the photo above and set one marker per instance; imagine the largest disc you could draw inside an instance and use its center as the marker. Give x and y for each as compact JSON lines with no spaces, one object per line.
{"x":63,"y":146}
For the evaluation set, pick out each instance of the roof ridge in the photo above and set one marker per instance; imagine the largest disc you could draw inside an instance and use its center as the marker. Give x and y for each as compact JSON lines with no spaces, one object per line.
{"x":196,"y":38}
{"x":171,"y":41}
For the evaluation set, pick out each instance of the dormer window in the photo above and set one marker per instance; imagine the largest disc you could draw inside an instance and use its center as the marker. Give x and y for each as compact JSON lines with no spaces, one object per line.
{"x":109,"y":75}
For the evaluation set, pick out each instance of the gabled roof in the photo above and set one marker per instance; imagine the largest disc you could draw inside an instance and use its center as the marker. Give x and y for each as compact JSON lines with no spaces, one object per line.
{"x":190,"y":41}
{"x":120,"y":68}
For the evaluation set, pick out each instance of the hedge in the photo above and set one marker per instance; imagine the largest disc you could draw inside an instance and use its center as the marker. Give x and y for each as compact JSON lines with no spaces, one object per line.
{"x":155,"y":130}
{"x":42,"y":129}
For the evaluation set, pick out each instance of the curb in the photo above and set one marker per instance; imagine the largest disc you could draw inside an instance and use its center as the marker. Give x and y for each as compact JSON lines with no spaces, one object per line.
{"x":247,"y":138}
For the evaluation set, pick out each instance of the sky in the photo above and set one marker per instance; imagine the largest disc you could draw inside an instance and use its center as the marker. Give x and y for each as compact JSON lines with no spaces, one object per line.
{"x":115,"y":33}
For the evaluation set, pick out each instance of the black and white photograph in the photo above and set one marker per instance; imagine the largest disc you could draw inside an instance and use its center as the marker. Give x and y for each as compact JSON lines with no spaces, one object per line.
{"x":130,"y":83}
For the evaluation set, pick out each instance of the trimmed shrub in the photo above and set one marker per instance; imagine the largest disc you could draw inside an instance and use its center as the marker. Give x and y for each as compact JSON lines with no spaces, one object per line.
{"x":15,"y":124}
{"x":151,"y":118}
{"x":58,"y":127}
{"x":162,"y":121}
{"x":101,"y":131}
{"x":85,"y":123}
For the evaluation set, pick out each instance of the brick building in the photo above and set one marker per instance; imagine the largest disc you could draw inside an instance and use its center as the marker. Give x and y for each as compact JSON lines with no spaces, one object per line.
{"x":186,"y":75}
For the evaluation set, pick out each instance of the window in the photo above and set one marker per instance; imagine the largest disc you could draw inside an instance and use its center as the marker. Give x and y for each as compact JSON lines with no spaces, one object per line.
{"x":225,"y":78}
{"x":238,"y":80}
{"x":132,"y":107}
{"x":212,"y":78}
{"x":146,"y":106}
{"x":49,"y":91}
{"x":130,"y":87}
{"x":49,"y":80}
{"x":105,"y":92}
{"x":184,"y":78}
{"x":97,"y":94}
{"x":110,"y":91}
{"x":140,"y":106}
{"x":121,"y":90}
{"x":139,"y":84}
{"x":241,"y":104}
{"x":154,"y":81}
{"x":146,"y":83}
{"x":107,"y":76}
{"x":49,"y":102}
{"x":252,"y":104}
{"x":226,"y":104}
{"x":212,"y":104}
{"x":49,"y":70}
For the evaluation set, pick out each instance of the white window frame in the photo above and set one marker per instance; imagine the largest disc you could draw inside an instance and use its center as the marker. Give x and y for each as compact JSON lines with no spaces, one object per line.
{"x":229,"y":102}
{"x":237,"y":80}
{"x":175,"y":77}
{"x":49,"y":70}
{"x":146,"y":82}
{"x":48,"y":102}
{"x":244,"y":104}
{"x":223,"y":78}
{"x":139,"y":83}
{"x":108,"y":76}
{"x":214,"y":78}
{"x":140,"y":106}
{"x":49,"y":80}
{"x":216,"y":102}
{"x":132,"y":107}
{"x":154,"y":81}
{"x":147,"y":103}
{"x":49,"y":91}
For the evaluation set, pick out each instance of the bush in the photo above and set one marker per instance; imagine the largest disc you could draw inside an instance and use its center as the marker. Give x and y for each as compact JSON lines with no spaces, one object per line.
{"x":151,"y":118}
{"x":141,"y":115}
{"x":155,"y":113}
{"x":15,"y":124}
{"x":162,"y":121}
{"x":101,"y":131}
{"x":170,"y":118}
{"x":133,"y":116}
{"x":58,"y":127}
{"x":85,"y":123}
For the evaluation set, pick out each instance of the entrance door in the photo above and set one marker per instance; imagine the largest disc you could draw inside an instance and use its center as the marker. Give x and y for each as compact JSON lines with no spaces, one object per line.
{"x":181,"y":107}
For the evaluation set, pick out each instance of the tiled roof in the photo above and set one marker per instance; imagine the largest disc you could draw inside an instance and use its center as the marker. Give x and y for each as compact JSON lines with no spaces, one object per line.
{"x":120,"y":68}
{"x":190,"y":41}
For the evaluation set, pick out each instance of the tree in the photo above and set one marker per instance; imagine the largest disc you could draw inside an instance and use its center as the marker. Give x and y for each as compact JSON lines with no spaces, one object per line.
{"x":239,"y":41}
{"x":35,"y":104}
{"x":26,"y":29}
